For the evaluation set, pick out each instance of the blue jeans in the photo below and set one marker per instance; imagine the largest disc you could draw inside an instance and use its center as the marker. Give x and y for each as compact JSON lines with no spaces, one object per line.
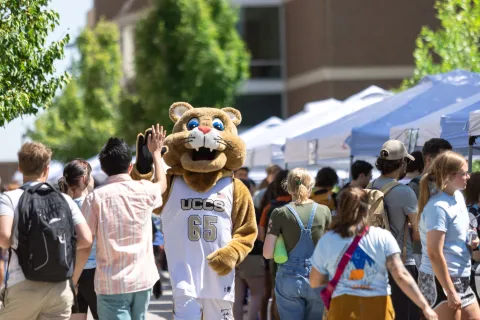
{"x":296,"y":299}
{"x":128,"y":306}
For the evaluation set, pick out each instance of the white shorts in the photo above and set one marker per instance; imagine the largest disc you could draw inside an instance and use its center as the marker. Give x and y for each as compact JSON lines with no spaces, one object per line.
{"x":189,"y":308}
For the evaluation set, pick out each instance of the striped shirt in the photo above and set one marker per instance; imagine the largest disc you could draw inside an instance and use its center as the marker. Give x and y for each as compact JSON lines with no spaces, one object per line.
{"x":119,"y":214}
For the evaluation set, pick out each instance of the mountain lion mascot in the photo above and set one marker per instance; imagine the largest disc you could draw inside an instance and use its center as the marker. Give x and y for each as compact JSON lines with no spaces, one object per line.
{"x":208,"y":217}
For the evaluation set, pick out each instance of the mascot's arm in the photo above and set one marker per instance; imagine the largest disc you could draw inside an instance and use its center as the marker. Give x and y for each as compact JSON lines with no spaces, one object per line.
{"x":244,"y":232}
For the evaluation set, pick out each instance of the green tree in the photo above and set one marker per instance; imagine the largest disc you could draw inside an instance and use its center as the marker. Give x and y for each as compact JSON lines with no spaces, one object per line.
{"x":453,"y":46}
{"x":186,"y":50}
{"x":27,"y":81}
{"x":85,"y":115}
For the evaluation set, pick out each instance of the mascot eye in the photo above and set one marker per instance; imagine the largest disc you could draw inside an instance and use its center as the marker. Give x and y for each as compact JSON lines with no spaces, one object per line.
{"x":192,"y":124}
{"x":218,"y":124}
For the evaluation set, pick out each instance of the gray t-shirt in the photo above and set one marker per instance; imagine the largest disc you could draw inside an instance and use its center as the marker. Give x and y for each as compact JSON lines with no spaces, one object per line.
{"x":400,"y":202}
{"x":8,"y":207}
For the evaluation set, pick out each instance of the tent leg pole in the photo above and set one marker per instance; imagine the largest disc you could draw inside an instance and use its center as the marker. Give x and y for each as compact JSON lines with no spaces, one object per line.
{"x":471,"y":142}
{"x":350,"y":168}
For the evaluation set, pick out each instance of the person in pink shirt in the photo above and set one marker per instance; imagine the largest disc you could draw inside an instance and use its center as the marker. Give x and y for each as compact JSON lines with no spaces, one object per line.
{"x":119,"y":215}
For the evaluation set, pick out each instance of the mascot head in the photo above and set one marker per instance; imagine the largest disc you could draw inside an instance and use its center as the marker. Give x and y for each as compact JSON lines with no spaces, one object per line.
{"x":204,"y":140}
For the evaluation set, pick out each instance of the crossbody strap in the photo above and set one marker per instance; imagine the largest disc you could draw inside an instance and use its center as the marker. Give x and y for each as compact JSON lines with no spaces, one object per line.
{"x":345,"y":259}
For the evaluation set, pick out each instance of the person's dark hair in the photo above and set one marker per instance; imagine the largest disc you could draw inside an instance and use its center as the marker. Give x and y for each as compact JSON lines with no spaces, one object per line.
{"x":359,"y":167}
{"x":388,"y":166}
{"x":352,"y":211}
{"x":247,"y":183}
{"x":326,"y":177}
{"x":435,"y":146}
{"x":115,"y":157}
{"x":278,"y":186}
{"x":416,"y":165}
{"x":268,"y":196}
{"x":472,"y":192}
{"x":246,"y":169}
{"x":72,"y":173}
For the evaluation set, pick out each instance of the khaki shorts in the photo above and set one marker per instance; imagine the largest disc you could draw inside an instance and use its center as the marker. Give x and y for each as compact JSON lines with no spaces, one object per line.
{"x":252,"y":266}
{"x":37,"y":300}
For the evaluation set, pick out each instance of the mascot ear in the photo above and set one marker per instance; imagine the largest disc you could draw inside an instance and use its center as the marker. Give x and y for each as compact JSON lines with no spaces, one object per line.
{"x":234,"y":115}
{"x":178,"y":109}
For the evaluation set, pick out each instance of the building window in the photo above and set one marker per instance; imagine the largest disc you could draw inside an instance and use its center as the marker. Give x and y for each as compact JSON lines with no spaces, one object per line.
{"x":258,"y":107}
{"x":260,"y":29}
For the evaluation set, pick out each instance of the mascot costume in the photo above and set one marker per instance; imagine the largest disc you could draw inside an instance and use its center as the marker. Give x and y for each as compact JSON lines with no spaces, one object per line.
{"x":208,"y":217}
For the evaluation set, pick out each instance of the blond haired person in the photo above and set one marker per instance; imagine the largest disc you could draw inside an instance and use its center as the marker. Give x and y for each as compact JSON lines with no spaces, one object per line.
{"x":444,"y":277}
{"x":301,"y":223}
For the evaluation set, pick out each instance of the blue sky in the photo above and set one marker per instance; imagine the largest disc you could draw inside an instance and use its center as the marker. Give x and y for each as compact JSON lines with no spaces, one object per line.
{"x":73,"y":17}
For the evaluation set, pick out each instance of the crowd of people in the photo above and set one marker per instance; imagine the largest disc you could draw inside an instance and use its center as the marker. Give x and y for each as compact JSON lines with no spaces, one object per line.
{"x":422,"y":267}
{"x":338,"y":266}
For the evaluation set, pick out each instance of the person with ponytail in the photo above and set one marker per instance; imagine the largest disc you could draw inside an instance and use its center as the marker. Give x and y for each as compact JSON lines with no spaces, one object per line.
{"x":301,"y":223}
{"x":444,"y":276}
{"x":77,"y":182}
{"x":362,"y":289}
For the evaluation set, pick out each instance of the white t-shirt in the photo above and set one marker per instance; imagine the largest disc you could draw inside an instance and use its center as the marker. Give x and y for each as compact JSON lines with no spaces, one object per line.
{"x":366,"y":274}
{"x":8,"y":207}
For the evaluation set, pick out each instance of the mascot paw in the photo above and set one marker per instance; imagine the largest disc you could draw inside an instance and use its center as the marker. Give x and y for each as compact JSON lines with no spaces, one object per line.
{"x":144,"y":159}
{"x":223,"y":260}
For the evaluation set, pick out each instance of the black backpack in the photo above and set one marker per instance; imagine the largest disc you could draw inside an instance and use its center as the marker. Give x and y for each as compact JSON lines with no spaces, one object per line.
{"x":46,"y":235}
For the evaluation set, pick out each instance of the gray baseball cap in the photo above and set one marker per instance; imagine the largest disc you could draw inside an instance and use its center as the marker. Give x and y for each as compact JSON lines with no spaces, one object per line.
{"x":395,"y":150}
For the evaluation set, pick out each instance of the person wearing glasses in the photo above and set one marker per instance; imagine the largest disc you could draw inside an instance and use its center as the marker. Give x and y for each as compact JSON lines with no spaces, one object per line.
{"x":401,"y":208}
{"x":447,"y":240}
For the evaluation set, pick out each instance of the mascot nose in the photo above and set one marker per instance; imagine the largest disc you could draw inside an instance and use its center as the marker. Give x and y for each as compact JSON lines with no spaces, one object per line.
{"x":204,"y":129}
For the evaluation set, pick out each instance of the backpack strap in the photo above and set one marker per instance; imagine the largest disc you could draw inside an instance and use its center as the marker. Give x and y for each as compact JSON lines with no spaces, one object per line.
{"x":295,"y":214}
{"x":389,"y":186}
{"x":386,"y":189}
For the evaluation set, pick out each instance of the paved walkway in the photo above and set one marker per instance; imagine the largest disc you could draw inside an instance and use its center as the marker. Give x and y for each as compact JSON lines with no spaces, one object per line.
{"x":160,"y":309}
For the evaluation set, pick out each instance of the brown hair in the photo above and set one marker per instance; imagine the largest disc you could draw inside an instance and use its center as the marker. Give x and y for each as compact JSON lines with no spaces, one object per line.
{"x":72,"y":173}
{"x":444,"y":165}
{"x":472,"y":192}
{"x":273,"y":169}
{"x":33,"y":158}
{"x":299,"y":183}
{"x":352,"y":212}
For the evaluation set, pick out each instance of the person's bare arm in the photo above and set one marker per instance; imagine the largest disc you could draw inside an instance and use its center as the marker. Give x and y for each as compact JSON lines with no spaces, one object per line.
{"x":84,"y":247}
{"x":413,"y":222}
{"x":476,"y":255}
{"x":408,"y":285}
{"x":155,"y":144}
{"x":6,"y":223}
{"x":269,"y":246}
{"x":317,"y":279}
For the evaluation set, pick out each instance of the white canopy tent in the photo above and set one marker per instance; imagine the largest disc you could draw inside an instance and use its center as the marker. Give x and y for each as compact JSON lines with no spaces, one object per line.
{"x":297,"y":151}
{"x":267,"y":149}
{"x":474,"y":124}
{"x":420,"y":131}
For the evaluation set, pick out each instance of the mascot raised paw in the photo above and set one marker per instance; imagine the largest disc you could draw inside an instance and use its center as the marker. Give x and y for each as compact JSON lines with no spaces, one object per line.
{"x":208,"y":218}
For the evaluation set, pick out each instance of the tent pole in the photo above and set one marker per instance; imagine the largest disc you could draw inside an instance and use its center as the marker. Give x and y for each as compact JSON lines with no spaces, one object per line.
{"x":471,"y":142}
{"x":350,"y":168}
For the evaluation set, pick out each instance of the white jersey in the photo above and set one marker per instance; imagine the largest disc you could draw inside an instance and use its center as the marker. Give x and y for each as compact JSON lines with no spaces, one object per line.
{"x":196,"y":224}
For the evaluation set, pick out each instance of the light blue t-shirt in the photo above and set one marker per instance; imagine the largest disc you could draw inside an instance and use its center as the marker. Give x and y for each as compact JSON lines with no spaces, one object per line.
{"x":366,"y":274}
{"x":91,"y":262}
{"x":447,"y":214}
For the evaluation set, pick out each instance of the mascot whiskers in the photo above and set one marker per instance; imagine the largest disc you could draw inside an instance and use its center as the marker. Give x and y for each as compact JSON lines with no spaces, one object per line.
{"x":208,"y":217}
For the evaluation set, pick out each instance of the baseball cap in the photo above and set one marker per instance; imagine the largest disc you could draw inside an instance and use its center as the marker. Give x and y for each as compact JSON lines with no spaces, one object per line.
{"x":394,"y":150}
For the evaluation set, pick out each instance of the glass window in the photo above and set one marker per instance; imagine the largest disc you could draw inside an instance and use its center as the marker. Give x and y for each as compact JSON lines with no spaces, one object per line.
{"x":260,"y":29}
{"x":256,"y":108}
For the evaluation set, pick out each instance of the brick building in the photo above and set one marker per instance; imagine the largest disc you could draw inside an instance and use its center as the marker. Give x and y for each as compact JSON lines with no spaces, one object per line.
{"x":305,"y":50}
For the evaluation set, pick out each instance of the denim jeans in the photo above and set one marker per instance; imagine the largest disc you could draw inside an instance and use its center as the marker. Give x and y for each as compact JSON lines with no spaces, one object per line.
{"x":128,"y":306}
{"x":296,"y":299}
